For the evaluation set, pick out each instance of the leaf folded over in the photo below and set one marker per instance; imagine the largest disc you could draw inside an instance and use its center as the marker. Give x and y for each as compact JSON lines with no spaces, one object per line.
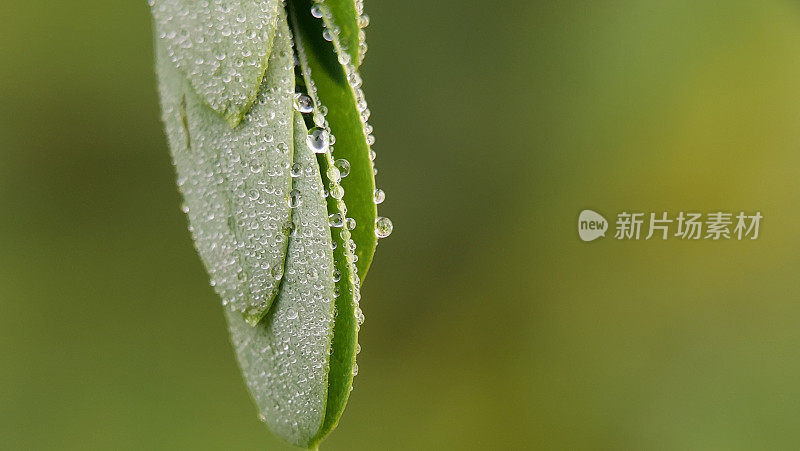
{"x":221,"y":47}
{"x":236,"y":182}
{"x":337,"y":89}
{"x":285,"y":359}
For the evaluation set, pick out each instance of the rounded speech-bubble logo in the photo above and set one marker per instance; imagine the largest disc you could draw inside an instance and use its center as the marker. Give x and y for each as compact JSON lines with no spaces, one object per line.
{"x":591,"y":225}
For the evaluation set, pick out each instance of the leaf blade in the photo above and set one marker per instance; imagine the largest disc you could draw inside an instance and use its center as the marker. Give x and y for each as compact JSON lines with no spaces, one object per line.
{"x":285,"y":359}
{"x":236,"y":182}
{"x":222,"y":49}
{"x":328,"y":82}
{"x":342,"y":19}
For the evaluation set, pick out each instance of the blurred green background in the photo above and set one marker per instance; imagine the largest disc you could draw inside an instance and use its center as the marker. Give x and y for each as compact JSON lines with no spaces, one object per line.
{"x":489,"y":325}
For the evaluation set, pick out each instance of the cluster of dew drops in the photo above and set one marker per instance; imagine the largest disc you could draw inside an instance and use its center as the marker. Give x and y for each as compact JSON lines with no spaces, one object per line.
{"x":320,"y":139}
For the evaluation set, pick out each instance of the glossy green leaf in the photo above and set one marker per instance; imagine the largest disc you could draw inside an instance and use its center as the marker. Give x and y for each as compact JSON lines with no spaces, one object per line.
{"x":343,"y":20}
{"x":285,"y":358}
{"x":236,"y":182}
{"x":337,"y":88}
{"x":221,"y":47}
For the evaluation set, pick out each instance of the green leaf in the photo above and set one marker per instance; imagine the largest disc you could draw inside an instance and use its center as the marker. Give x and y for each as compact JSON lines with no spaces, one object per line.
{"x":343,"y":21}
{"x":221,"y":47}
{"x":337,"y":88}
{"x":285,"y":358}
{"x":279,"y":250}
{"x":236,"y":182}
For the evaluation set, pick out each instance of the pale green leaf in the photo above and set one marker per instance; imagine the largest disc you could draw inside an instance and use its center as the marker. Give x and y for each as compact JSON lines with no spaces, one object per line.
{"x":337,"y":88}
{"x":236,"y":182}
{"x":221,"y":47}
{"x":285,"y":358}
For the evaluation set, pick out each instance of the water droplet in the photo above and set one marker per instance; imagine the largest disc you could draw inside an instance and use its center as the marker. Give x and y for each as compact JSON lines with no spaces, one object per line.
{"x":318,"y":140}
{"x":383,"y":227}
{"x":316,"y":11}
{"x":291,"y":313}
{"x":350,"y":223}
{"x":294,"y":199}
{"x":336,"y":220}
{"x":297,"y":170}
{"x":303,"y":103}
{"x":343,"y":166}
{"x":379,"y":196}
{"x":337,"y":192}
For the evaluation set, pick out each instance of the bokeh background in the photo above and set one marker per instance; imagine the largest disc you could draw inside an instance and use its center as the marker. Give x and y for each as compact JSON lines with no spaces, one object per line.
{"x":489,"y":325}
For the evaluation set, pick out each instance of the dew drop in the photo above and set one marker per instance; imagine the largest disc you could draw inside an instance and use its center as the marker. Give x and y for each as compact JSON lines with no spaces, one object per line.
{"x":378,"y":196}
{"x":303,"y":103}
{"x":343,"y":166}
{"x":318,"y":140}
{"x":383,"y":227}
{"x":294,"y":199}
{"x":297,"y":170}
{"x":336,"y":220}
{"x":337,"y":192}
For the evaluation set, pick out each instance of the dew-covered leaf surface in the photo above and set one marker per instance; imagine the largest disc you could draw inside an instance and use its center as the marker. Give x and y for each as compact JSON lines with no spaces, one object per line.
{"x":348,"y":313}
{"x":236,"y":182}
{"x":337,"y":88}
{"x":285,"y":358}
{"x":222,"y":47}
{"x":343,"y":21}
{"x":284,"y":217}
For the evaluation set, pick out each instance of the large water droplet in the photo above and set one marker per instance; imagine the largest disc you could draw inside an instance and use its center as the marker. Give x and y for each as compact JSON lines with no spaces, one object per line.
{"x":378,"y":196}
{"x":383,"y":227}
{"x":318,"y":140}
{"x":343,"y":166}
{"x":303,"y":103}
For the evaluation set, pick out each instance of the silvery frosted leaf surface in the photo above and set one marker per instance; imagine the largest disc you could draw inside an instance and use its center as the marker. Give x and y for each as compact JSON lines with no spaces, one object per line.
{"x":285,"y":358}
{"x":236,"y":182}
{"x":221,"y":46}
